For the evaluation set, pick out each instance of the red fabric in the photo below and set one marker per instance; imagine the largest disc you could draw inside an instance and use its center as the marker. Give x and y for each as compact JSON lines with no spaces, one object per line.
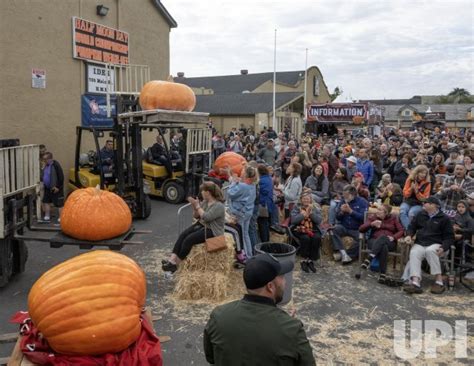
{"x":146,"y":351}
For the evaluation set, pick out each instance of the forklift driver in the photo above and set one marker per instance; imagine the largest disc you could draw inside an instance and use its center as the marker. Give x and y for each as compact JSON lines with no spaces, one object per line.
{"x":159,"y":155}
{"x":107,"y":157}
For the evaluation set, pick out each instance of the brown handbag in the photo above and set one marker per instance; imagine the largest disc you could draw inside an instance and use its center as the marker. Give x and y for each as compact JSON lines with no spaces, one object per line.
{"x":214,"y":244}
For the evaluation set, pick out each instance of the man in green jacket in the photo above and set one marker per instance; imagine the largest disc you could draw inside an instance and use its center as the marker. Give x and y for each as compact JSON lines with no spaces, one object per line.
{"x":254,"y":331}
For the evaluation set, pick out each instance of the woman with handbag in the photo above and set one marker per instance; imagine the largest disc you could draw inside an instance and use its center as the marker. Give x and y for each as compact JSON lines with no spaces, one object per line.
{"x":305,"y":220}
{"x":210,"y":214}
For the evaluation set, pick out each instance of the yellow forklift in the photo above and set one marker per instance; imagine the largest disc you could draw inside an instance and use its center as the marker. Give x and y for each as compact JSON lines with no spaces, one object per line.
{"x":135,"y":175}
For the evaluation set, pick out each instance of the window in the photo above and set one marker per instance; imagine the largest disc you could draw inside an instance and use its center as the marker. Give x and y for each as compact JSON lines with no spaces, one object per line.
{"x":407,"y":112}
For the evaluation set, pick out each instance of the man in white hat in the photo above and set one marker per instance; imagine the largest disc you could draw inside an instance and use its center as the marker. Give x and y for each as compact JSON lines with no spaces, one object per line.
{"x":351,"y":167}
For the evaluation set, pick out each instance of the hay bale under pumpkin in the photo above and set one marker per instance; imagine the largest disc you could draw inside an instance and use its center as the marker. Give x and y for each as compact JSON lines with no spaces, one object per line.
{"x":209,"y":277}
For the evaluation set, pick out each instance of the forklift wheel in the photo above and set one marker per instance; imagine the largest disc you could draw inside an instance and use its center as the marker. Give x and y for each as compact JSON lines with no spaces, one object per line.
{"x":6,"y":260}
{"x":147,"y":206}
{"x":173,"y":192}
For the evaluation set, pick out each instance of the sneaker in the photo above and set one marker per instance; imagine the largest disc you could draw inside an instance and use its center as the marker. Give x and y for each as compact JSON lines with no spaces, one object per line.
{"x":383,"y":280}
{"x":410,"y":288}
{"x":47,"y":218}
{"x":304,"y":267}
{"x":437,"y":289}
{"x":169,"y":267}
{"x":346,"y":259}
{"x":337,"y":256}
{"x":311,"y":266}
{"x":366,"y":264}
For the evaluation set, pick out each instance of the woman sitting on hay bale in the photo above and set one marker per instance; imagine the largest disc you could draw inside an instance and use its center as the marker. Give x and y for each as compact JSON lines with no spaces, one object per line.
{"x":211,"y":217}
{"x":305,"y":220}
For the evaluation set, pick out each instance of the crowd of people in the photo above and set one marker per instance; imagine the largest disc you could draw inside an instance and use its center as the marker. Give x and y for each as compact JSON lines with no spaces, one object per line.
{"x":411,"y":180}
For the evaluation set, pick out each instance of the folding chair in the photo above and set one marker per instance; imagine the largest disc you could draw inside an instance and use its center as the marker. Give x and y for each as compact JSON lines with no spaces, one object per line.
{"x":364,"y":251}
{"x":465,"y":266}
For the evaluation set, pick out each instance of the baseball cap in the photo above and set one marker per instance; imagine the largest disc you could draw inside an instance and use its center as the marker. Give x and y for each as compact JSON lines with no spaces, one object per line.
{"x":352,"y":159}
{"x":358,"y":175}
{"x":263,"y":268}
{"x":434,"y":200}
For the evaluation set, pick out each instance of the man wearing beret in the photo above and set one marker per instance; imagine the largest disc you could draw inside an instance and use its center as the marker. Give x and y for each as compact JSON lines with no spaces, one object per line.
{"x":254,"y":331}
{"x":434,"y":236}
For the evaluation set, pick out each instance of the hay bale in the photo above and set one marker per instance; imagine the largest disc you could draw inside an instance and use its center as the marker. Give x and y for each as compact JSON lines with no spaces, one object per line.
{"x":326,"y":244}
{"x":278,"y":238}
{"x":325,"y":214}
{"x":209,"y":277}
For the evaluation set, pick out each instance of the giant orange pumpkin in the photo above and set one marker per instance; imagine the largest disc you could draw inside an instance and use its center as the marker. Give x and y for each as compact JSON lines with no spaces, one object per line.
{"x":232,"y":160}
{"x":158,"y":94}
{"x":89,"y":304}
{"x":92,"y":214}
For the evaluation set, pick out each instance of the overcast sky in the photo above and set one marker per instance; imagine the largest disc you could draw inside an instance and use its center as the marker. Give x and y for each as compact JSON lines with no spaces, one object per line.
{"x":372,"y":49}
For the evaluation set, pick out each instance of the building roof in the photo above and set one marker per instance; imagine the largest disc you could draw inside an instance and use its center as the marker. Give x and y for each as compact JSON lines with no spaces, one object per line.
{"x":240,"y":83}
{"x":413,"y":100}
{"x":454,"y":112}
{"x":242,"y":103}
{"x":169,"y":19}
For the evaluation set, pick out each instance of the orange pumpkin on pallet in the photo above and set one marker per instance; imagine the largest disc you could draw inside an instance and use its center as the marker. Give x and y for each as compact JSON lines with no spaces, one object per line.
{"x":89,"y":304}
{"x":232,"y":160}
{"x":92,"y":214}
{"x":158,"y":94}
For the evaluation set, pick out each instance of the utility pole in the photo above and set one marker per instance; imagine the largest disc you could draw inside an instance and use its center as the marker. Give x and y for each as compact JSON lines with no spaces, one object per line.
{"x":275,"y":127}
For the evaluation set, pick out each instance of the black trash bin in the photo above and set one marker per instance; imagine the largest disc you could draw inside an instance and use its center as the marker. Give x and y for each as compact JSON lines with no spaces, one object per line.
{"x":282,"y":252}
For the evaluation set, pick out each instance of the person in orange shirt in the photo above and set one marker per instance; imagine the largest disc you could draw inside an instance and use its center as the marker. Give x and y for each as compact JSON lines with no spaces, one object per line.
{"x":416,"y":190}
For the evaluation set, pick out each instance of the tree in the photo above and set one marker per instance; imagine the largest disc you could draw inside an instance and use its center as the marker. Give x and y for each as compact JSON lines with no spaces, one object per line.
{"x":459,"y":92}
{"x":337,"y":91}
{"x":457,"y":95}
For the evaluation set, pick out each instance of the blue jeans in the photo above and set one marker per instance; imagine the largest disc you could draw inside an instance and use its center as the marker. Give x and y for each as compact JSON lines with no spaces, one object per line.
{"x":274,"y":215}
{"x":245,"y":223}
{"x":407,"y":213}
{"x":332,"y":212}
{"x":253,"y":233}
{"x":338,"y":233}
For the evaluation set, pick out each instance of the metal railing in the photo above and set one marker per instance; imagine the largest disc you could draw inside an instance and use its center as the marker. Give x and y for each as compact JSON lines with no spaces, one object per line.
{"x":125,"y":80}
{"x":19,"y":172}
{"x":198,"y":141}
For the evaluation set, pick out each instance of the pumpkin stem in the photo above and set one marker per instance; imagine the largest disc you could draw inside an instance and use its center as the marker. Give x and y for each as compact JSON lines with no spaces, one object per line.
{"x":97,"y":189}
{"x":170,"y":79}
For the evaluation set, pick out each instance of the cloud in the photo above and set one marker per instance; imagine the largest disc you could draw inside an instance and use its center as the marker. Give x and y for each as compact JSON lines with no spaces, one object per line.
{"x":372,"y":49}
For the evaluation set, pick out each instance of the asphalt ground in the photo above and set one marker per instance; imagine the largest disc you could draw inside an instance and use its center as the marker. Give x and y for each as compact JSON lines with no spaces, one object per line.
{"x":347,"y":320}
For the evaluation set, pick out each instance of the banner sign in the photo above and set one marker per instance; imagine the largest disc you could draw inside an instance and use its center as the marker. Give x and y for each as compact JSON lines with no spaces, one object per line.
{"x":95,"y":42}
{"x":337,"y":112}
{"x":98,"y":77}
{"x":94,"y":110}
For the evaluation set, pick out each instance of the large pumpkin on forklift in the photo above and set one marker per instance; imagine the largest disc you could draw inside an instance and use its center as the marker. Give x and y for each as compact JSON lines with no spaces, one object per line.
{"x":93,"y":214}
{"x":231,"y":160}
{"x":159,"y":94}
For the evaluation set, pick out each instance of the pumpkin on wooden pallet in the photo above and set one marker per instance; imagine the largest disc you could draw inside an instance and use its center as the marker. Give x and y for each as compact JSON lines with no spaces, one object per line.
{"x":159,"y":94}
{"x":93,"y":214}
{"x":89,"y":304}
{"x":231,"y":160}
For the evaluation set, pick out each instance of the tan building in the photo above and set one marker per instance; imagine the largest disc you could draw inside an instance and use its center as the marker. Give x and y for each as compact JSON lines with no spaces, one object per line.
{"x":247,"y":99}
{"x":42,"y":84}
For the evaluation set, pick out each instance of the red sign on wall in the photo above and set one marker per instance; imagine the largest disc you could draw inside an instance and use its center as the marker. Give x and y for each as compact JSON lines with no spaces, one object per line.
{"x":95,"y":42}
